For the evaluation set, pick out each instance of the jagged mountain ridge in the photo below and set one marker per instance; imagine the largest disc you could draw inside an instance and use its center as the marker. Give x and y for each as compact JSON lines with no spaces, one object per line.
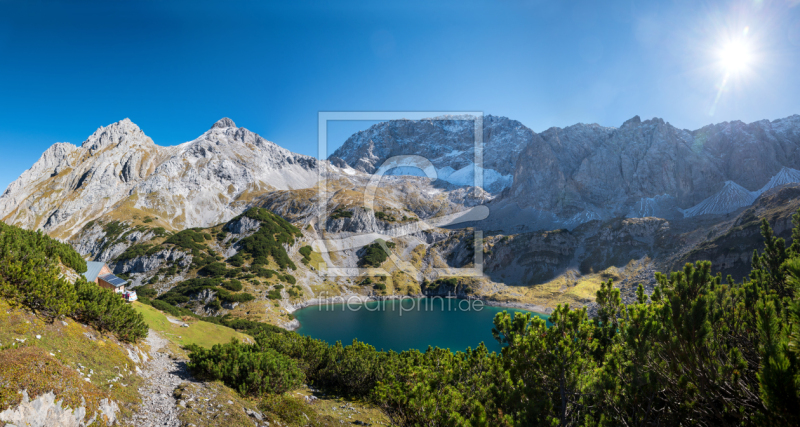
{"x":613,"y":172}
{"x":448,"y":142}
{"x":558,"y":178}
{"x":197,"y":183}
{"x":119,"y":173}
{"x":564,"y":177}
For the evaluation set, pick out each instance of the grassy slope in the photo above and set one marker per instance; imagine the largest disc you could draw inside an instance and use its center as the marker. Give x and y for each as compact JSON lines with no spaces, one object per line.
{"x":209,"y":403}
{"x":53,"y":362}
{"x":200,"y":333}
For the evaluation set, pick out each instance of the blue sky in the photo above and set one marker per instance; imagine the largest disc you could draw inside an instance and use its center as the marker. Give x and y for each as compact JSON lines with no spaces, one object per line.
{"x":174,"y":68}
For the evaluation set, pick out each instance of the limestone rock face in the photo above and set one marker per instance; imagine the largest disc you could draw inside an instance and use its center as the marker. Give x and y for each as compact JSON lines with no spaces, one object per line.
{"x":47,"y":411}
{"x":613,"y":172}
{"x":153,"y":262}
{"x":198,"y":183}
{"x":539,"y":256}
{"x":447,"y":142}
{"x":243,"y":225}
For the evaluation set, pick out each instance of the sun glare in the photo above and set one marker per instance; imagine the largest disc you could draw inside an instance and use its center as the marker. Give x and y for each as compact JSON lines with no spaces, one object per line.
{"x":735,"y":56}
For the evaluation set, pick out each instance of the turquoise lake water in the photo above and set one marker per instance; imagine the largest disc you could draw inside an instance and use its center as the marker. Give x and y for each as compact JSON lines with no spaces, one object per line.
{"x":404,"y":324}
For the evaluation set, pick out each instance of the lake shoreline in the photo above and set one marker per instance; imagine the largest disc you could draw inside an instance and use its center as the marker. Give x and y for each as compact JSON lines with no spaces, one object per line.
{"x":361,"y":299}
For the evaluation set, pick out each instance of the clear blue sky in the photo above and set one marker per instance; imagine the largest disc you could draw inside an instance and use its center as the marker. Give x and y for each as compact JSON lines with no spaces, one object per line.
{"x":174,"y":68}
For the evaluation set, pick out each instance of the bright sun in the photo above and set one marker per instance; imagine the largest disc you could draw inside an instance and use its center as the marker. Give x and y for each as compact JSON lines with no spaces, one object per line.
{"x":735,"y":56}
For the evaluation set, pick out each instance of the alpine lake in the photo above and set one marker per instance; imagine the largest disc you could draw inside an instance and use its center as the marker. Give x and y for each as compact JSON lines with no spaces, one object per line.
{"x":405,"y":324}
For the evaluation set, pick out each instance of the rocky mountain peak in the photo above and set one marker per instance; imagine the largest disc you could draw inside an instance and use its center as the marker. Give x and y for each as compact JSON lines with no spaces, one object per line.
{"x":448,"y":142}
{"x":224,"y":123}
{"x":633,"y":121}
{"x":197,"y":183}
{"x":115,"y":134}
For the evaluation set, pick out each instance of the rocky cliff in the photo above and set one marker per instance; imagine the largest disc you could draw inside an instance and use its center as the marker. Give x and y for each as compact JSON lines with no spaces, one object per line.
{"x":647,"y":167}
{"x":119,"y":169}
{"x":448,"y":142}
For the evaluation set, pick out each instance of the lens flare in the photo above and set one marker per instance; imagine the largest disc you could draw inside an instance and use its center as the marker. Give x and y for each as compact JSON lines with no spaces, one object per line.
{"x":735,"y":56}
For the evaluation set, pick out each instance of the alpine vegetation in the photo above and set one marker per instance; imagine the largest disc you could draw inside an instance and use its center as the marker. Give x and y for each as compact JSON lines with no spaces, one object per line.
{"x":701,"y":349}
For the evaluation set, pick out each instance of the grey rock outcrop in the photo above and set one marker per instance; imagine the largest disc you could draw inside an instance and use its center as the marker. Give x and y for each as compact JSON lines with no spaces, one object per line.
{"x":144,"y":264}
{"x":536,"y":257}
{"x":46,"y":411}
{"x":243,"y":225}
{"x":94,"y":242}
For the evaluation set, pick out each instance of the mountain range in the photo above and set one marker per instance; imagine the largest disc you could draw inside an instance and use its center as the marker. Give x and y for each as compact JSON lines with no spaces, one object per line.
{"x":566,"y":206}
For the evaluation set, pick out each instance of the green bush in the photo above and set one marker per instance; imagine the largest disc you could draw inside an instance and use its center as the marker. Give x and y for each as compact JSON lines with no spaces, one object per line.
{"x":339,"y":213}
{"x":353,"y":370}
{"x":114,"y":231}
{"x":236,"y":260}
{"x":182,"y":293}
{"x":262,"y":272}
{"x":228,"y":297}
{"x":215,"y":269}
{"x":202,"y":259}
{"x":170,"y":309}
{"x":246,"y":368}
{"x":305,"y":251}
{"x":107,"y":311}
{"x":383,"y":216}
{"x":146,"y":292}
{"x":450,"y":282}
{"x":188,"y":239}
{"x":295,"y":412}
{"x":374,"y":255}
{"x":168,"y":271}
{"x":232,"y":285}
{"x":31,"y":276}
{"x":48,"y":247}
{"x":268,"y":241}
{"x":233,"y":272}
{"x":248,"y":327}
{"x":214,"y":305}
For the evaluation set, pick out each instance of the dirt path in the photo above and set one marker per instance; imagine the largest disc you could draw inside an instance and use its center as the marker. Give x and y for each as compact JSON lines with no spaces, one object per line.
{"x":162,"y":374}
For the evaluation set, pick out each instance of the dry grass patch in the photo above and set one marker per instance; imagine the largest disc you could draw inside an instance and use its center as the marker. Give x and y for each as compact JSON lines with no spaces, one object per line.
{"x":65,"y":349}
